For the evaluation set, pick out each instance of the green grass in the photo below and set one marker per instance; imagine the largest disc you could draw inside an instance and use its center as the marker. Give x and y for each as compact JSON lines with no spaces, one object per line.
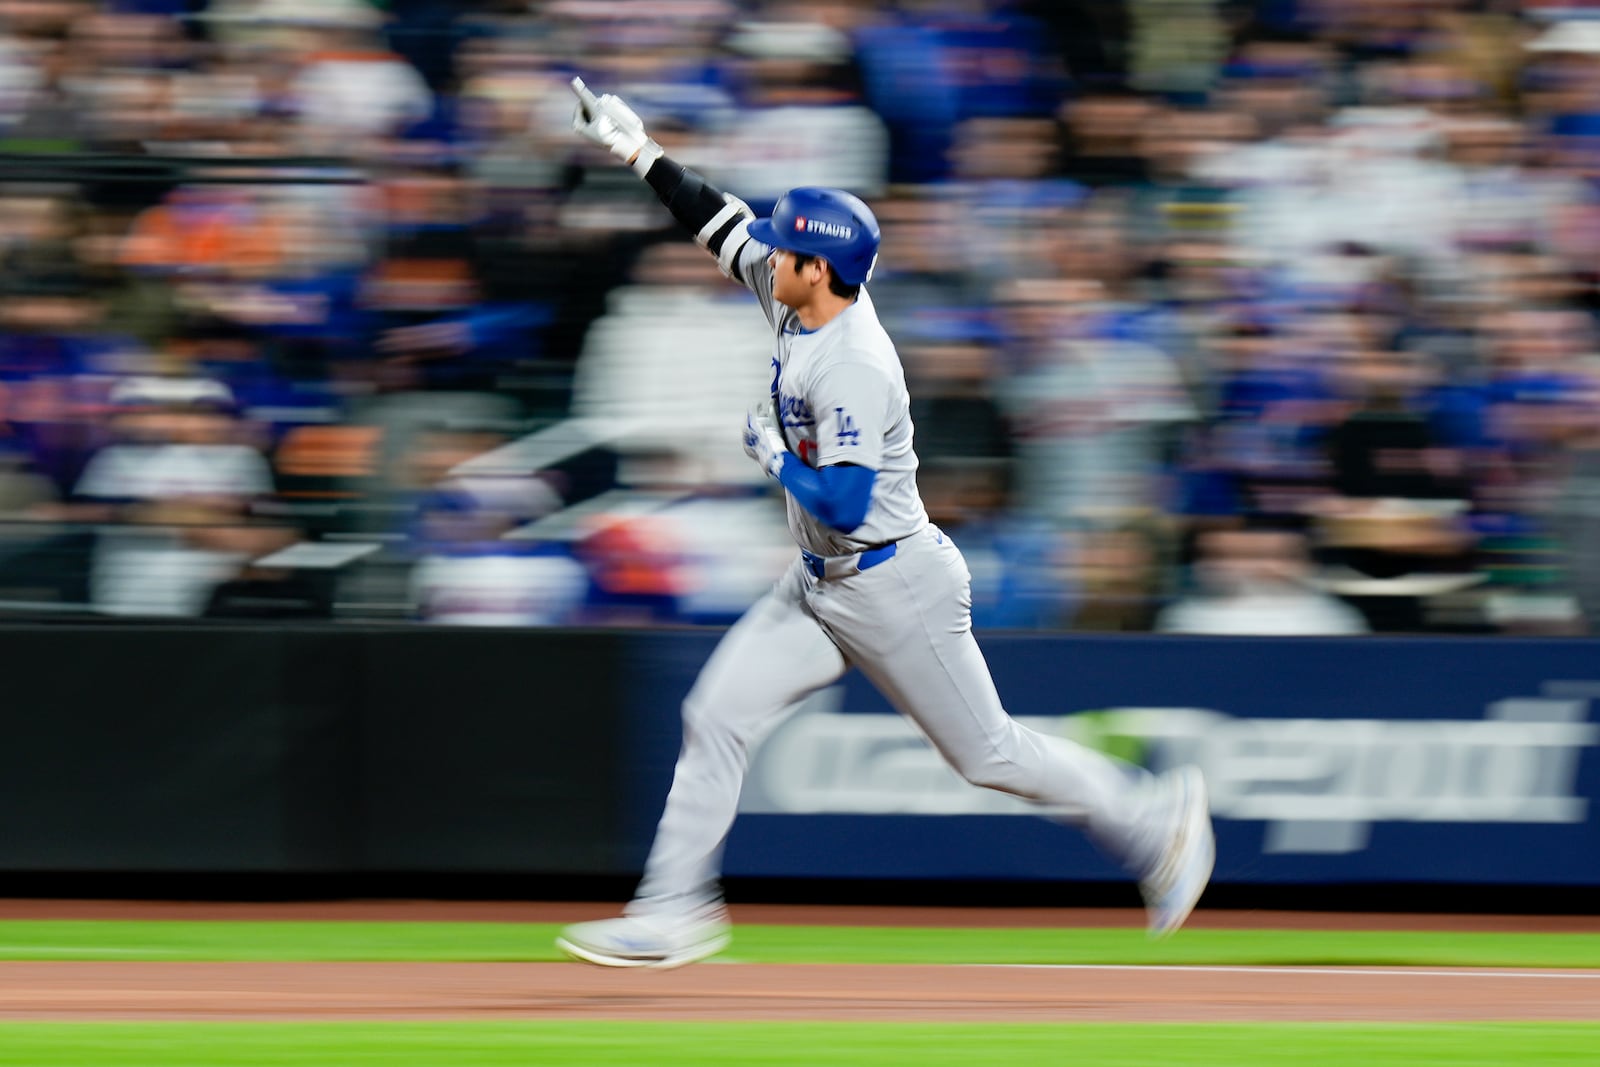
{"x":381,"y":941}
{"x":606,"y":1043}
{"x":633,"y":1044}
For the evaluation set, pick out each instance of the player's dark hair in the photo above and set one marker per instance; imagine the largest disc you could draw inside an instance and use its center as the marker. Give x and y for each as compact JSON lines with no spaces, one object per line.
{"x":835,"y":286}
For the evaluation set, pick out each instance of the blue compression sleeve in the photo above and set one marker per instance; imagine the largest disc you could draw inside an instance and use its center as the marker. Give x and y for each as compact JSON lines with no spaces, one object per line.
{"x":838,"y":495}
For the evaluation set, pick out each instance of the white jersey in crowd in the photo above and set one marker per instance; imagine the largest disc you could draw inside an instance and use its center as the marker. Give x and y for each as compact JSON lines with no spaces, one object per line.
{"x":840,"y":394}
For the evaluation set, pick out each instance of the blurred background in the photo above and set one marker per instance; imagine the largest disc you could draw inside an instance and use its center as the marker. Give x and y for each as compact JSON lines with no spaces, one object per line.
{"x":1270,"y":317}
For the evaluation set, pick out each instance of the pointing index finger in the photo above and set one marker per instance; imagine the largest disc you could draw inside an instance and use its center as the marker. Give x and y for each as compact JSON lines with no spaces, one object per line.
{"x":585,"y":97}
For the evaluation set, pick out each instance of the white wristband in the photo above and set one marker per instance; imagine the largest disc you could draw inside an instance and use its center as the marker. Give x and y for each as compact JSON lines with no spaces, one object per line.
{"x":649,"y":152}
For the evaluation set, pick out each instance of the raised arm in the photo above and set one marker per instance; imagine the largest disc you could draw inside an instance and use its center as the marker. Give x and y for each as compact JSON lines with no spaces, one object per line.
{"x":717,"y":219}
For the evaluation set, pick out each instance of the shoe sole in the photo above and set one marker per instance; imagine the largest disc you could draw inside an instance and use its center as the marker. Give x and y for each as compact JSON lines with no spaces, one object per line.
{"x":1197,"y":824}
{"x":693,"y":954}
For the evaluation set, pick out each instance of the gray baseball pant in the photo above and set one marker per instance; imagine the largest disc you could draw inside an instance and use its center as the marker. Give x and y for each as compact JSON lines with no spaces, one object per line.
{"x":906,"y":625}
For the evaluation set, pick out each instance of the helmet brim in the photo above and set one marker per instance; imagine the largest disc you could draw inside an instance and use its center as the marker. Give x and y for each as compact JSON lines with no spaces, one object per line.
{"x":763,"y":231}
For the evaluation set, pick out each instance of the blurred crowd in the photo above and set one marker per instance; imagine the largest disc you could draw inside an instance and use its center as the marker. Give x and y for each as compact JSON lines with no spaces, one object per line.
{"x":1219,"y":317}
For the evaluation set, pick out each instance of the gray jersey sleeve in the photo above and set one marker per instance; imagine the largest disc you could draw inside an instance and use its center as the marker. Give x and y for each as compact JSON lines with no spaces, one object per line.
{"x":756,"y":274}
{"x":852,"y":406}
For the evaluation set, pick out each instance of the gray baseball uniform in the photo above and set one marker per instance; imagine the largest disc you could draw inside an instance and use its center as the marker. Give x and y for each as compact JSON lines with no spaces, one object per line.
{"x":903,"y":619}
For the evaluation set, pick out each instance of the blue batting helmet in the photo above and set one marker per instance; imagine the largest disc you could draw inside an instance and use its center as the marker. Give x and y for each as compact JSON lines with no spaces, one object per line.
{"x":830,"y":224}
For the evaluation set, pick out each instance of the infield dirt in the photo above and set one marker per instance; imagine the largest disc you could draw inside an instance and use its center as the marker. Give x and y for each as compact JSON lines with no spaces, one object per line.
{"x":82,"y":990}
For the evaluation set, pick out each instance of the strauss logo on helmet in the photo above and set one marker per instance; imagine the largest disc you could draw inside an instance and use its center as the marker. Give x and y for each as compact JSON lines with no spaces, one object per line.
{"x":802,"y":224}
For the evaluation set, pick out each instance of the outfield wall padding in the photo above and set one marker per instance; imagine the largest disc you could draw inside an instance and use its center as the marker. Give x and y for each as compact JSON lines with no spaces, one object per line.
{"x":471,"y":752}
{"x":333,"y":750}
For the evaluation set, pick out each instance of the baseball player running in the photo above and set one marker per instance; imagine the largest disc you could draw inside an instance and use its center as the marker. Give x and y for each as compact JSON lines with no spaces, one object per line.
{"x":876,"y":586}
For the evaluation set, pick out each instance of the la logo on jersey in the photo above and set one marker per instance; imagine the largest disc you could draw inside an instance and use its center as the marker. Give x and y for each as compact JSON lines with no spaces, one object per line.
{"x":848,"y":433}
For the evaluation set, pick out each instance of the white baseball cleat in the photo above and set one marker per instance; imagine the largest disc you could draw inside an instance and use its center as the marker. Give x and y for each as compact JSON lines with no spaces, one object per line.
{"x":640,"y":941}
{"x":1173,"y":888}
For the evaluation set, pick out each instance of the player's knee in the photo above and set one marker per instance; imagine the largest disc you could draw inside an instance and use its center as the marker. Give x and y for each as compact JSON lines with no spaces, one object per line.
{"x":697,"y":717}
{"x":990,"y":770}
{"x":703,"y":724}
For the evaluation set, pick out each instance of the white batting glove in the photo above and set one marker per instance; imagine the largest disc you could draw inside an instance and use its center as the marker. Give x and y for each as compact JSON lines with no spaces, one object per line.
{"x":613,"y":125}
{"x":763,"y":441}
